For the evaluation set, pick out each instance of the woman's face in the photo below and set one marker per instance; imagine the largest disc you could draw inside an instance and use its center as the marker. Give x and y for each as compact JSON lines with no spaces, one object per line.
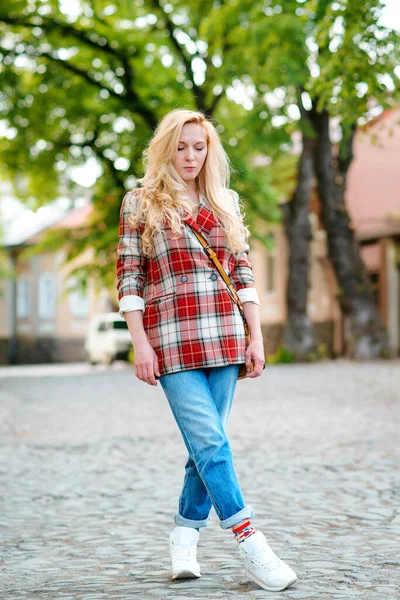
{"x":191,"y":152}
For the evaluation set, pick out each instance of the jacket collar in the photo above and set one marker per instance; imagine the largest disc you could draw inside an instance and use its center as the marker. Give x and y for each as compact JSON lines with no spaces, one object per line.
{"x":205,"y":220}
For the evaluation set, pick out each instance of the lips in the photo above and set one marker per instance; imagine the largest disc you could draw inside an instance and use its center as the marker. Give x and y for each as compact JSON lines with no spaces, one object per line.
{"x":189,"y":168}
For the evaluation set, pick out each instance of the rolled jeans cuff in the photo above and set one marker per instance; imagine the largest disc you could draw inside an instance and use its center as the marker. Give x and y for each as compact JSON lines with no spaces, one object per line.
{"x":182,"y":522}
{"x":246,"y":513}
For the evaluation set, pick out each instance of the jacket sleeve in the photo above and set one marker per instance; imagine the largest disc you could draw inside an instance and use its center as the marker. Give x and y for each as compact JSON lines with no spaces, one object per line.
{"x":131,"y":264}
{"x":242,"y":274}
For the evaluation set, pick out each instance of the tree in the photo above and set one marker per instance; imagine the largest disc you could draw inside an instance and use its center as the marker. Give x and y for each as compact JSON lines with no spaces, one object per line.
{"x":357,"y":58}
{"x":85,"y":90}
{"x":298,"y":337}
{"x":351,"y":62}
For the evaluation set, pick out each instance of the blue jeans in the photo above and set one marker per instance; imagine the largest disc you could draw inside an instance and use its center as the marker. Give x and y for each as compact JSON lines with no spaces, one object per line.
{"x":201,"y":400}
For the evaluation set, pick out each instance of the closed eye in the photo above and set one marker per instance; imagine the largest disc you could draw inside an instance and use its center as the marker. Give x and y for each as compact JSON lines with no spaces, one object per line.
{"x":199,"y":149}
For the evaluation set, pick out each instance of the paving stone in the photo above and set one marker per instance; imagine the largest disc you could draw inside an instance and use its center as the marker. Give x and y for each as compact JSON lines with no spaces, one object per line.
{"x":91,"y":464}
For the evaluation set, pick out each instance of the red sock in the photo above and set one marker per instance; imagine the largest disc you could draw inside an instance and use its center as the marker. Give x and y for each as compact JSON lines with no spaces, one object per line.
{"x":243,"y":531}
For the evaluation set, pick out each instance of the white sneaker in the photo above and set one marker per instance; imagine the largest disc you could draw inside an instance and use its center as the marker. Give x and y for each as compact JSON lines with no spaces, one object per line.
{"x":263,"y":566}
{"x":183,"y":545}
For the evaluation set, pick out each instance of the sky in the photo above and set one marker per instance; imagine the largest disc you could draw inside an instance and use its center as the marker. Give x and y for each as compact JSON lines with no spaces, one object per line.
{"x":17,"y":221}
{"x":391,"y":16}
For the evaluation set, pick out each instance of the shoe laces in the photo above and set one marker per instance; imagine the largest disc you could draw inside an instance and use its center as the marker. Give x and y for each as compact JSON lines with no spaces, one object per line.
{"x":267,"y":559}
{"x":184,"y":552}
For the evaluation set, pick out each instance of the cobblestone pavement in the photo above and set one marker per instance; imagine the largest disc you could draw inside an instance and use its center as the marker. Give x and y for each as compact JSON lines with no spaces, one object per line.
{"x":91,"y":465}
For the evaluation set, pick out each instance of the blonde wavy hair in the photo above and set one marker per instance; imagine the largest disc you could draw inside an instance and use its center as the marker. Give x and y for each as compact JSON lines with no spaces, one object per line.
{"x":164,"y":194}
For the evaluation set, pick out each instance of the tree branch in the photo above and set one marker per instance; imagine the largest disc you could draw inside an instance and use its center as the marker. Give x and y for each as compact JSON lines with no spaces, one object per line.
{"x":81,"y":73}
{"x":80,"y":34}
{"x":346,"y":149}
{"x":198,"y":91}
{"x":129,"y":97}
{"x":210,"y":109}
{"x":133,"y":99}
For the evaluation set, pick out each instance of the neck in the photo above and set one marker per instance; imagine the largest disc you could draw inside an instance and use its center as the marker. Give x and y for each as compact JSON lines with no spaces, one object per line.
{"x":192,"y":186}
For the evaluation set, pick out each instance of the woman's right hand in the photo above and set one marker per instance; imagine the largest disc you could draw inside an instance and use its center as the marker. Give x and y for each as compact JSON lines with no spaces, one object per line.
{"x":146,"y":363}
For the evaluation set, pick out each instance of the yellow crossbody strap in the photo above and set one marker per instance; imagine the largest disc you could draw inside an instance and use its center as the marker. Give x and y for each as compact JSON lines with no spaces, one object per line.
{"x":213,"y":257}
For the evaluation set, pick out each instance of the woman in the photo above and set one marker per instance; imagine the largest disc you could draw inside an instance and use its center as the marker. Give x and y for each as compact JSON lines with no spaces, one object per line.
{"x":186,"y":330}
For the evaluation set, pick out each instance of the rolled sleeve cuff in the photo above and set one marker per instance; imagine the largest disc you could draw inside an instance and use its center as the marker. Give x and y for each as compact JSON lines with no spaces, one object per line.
{"x":130,"y":303}
{"x":248,"y":295}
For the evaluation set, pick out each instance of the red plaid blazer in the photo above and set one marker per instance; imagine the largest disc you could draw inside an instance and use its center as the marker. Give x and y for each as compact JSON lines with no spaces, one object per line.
{"x":189,"y":318}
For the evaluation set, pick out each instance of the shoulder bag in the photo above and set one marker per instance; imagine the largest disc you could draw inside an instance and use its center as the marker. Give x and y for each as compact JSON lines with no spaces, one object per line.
{"x":231,"y":289}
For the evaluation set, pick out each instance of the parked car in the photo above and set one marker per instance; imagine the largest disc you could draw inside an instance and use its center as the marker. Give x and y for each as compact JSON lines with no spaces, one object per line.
{"x":107,"y":339}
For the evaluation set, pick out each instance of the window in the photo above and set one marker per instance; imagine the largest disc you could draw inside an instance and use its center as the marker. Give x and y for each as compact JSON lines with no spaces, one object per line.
{"x":120,"y":325}
{"x":78,"y":302}
{"x":270,"y":263}
{"x":270,"y":274}
{"x":375,"y":284}
{"x":23,"y":298}
{"x":47,"y":296}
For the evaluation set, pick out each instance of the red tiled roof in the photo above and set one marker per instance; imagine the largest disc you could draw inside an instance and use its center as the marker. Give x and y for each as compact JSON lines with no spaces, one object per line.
{"x":76,"y":218}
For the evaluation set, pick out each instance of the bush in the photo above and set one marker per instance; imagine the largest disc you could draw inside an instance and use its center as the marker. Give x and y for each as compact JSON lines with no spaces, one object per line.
{"x":321,"y":353}
{"x":281,"y":356}
{"x":131,"y":356}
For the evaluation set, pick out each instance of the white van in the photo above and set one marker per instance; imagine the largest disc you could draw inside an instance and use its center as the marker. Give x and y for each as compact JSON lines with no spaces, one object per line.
{"x":107,"y":339}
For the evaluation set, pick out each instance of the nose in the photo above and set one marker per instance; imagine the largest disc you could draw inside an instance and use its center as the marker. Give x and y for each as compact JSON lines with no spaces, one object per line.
{"x":190,"y":155}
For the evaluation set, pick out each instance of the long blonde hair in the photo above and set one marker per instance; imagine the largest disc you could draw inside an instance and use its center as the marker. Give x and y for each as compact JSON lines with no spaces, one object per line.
{"x":164,"y":194}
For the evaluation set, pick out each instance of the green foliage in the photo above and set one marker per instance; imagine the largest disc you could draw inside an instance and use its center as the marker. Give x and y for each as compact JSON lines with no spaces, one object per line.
{"x":284,"y":356}
{"x":280,"y":356}
{"x":88,"y":88}
{"x":131,"y":356}
{"x":321,"y":353}
{"x":356,"y":59}
{"x":6,"y":272}
{"x":85,"y":90}
{"x":386,"y":354}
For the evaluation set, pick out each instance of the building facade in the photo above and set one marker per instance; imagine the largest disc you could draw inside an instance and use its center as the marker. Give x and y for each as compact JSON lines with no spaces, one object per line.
{"x":373,"y":200}
{"x":42,"y":317}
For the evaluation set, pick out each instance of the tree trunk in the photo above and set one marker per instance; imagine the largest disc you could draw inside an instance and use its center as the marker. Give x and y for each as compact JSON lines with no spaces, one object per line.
{"x":367,"y":337}
{"x":298,"y":337}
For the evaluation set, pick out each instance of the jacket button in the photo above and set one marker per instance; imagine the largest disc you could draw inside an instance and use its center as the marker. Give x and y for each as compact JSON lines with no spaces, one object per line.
{"x":184,"y":279}
{"x":213,"y":277}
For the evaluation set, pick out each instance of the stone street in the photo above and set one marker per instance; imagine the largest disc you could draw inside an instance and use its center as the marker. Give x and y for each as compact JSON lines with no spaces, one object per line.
{"x":91,"y":465}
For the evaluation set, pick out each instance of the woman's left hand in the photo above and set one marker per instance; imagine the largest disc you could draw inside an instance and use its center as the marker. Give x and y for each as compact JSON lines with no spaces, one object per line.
{"x":255,"y":354}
